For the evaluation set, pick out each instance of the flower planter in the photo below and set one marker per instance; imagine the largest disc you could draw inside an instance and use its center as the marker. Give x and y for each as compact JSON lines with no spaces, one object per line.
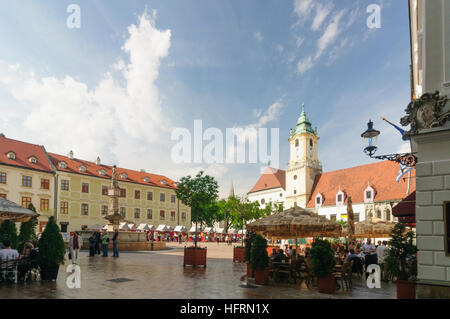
{"x":194,"y":257}
{"x":406,"y":289}
{"x":239,"y":254}
{"x":250,"y":271}
{"x":49,"y":273}
{"x":261,"y":276}
{"x":327,"y":285}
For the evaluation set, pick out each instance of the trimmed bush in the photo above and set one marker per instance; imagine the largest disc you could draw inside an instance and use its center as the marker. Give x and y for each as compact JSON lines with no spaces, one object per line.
{"x":8,"y":231}
{"x":51,"y":245}
{"x":322,"y":258}
{"x":259,"y":260}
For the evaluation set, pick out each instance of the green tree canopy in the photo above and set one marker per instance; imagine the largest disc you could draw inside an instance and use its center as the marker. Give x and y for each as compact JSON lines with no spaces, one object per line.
{"x":401,"y":259}
{"x":200,"y":194}
{"x":27,"y":230}
{"x":8,"y":231}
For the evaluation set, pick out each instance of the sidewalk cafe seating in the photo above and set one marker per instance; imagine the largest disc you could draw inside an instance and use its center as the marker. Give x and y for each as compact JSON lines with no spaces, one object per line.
{"x":344,"y":274}
{"x":9,"y":269}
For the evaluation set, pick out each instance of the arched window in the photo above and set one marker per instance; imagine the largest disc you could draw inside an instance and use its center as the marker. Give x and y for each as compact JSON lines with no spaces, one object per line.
{"x":295,"y":177}
{"x":263,"y":201}
{"x":310,"y":142}
{"x":319,"y":200}
{"x":296,"y":143}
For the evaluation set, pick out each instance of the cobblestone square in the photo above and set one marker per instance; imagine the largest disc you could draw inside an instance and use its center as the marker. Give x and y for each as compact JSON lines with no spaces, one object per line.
{"x":160,"y":274}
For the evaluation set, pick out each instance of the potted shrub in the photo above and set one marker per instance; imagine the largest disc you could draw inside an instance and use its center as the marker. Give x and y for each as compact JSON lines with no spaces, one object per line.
{"x":200,"y":194}
{"x":259,"y":260}
{"x":8,"y":231}
{"x":401,"y":261}
{"x":322,"y":258}
{"x":51,"y":250}
{"x":248,"y":246}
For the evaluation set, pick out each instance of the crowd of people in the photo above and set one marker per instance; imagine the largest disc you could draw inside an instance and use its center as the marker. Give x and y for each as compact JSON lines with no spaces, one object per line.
{"x":8,"y":254}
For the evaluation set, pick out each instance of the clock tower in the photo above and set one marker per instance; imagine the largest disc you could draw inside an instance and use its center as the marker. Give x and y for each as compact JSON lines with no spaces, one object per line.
{"x":304,"y":163}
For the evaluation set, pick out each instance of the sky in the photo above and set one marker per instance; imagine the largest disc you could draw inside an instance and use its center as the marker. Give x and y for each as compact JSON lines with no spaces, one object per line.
{"x":135,"y":72}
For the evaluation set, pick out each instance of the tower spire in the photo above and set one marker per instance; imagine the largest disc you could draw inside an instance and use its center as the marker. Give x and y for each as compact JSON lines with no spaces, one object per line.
{"x":231,"y":190}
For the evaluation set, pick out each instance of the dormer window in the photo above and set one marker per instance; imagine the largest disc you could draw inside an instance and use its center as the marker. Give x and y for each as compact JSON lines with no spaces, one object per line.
{"x":102,"y":172}
{"x":340,"y":198}
{"x":369,"y":195}
{"x":62,"y":164}
{"x":319,"y":200}
{"x":123,"y":176}
{"x":11,"y":155}
{"x":146,"y":179}
{"x":32,"y":159}
{"x":82,"y":168}
{"x":164,"y":182}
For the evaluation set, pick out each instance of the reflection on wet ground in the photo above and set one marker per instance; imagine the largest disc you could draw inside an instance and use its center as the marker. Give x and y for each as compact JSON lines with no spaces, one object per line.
{"x":160,"y":274}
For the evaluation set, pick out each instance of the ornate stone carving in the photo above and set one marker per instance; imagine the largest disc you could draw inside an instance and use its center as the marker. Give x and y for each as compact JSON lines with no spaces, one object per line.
{"x":425,"y":112}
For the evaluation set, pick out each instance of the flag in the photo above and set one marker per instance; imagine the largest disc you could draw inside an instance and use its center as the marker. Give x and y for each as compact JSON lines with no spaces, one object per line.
{"x":398,"y":128}
{"x":403,"y":170}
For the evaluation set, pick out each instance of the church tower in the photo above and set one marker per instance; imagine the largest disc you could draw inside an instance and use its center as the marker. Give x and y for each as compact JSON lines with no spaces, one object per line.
{"x":304,"y":163}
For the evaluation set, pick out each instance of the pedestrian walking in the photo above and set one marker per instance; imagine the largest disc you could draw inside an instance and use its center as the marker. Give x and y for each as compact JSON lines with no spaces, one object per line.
{"x":98,"y":242}
{"x":92,"y":241}
{"x":115,"y":244}
{"x":105,"y":240}
{"x":74,"y":246}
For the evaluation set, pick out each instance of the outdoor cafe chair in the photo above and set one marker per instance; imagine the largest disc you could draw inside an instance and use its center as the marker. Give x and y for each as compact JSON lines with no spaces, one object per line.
{"x":344,"y":275}
{"x":8,"y":269}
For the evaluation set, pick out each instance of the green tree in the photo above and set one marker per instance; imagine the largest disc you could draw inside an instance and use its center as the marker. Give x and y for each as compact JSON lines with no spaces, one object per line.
{"x":8,"y":231}
{"x":401,"y":259}
{"x":51,"y":245}
{"x":259,"y":259}
{"x":245,"y":211}
{"x":28,"y":230}
{"x":199,"y":193}
{"x":273,"y":208}
{"x":322,"y":258}
{"x":225,"y":211}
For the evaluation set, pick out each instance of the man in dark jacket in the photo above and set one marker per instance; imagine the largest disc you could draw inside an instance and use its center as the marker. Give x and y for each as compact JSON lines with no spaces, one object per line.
{"x":115,"y":244}
{"x":98,"y":242}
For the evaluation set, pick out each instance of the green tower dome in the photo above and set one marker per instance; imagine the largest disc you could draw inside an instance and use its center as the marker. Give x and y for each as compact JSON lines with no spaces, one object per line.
{"x":303,"y":123}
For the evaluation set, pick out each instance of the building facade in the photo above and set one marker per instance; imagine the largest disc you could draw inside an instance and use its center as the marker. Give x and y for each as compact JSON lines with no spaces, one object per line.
{"x":75,"y":191}
{"x":27,"y":176}
{"x":270,"y":188}
{"x":429,"y":117}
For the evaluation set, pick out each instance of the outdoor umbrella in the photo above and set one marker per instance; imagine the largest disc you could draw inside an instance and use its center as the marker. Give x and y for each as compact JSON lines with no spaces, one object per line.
{"x":374,"y":228}
{"x":14,"y":212}
{"x":295,"y":222}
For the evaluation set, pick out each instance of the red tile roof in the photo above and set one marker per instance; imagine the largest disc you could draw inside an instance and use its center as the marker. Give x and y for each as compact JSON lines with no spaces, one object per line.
{"x":92,"y":169}
{"x":353,"y":181}
{"x":23,"y":152}
{"x":272,"y":178}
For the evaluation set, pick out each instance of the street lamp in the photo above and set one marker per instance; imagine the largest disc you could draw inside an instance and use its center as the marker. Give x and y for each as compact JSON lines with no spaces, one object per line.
{"x":370,"y":137}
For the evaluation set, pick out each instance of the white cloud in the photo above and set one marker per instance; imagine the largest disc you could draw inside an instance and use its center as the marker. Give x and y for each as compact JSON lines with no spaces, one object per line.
{"x":124,"y":106}
{"x":330,"y":34}
{"x":304,"y":65}
{"x":303,"y":7}
{"x":258,"y":36}
{"x":279,"y":48}
{"x":322,"y":11}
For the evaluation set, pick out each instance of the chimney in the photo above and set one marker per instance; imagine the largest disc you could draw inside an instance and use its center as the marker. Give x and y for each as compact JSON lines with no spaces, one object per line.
{"x":97,"y":161}
{"x":70,"y":155}
{"x":142,"y":170}
{"x":2,"y":135}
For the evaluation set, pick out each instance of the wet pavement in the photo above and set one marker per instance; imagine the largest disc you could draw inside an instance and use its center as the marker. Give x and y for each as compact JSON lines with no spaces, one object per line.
{"x":160,"y":274}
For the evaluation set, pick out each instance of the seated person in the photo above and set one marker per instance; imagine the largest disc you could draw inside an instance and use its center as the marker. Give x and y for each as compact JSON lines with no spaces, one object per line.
{"x":352,"y":255}
{"x":8,"y":253}
{"x":273,"y":254}
{"x":279,"y":256}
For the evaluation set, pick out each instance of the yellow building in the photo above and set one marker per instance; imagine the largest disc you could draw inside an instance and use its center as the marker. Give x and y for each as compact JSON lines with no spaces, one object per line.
{"x":27,"y":176}
{"x":82,"y":189}
{"x":75,"y":191}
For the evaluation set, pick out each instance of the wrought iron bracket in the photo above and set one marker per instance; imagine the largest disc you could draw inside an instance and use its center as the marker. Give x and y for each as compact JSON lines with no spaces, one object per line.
{"x":408,"y":159}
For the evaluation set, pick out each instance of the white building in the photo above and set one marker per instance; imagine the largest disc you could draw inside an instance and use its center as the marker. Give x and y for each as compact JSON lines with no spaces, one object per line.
{"x":429,"y":117}
{"x":270,"y":187}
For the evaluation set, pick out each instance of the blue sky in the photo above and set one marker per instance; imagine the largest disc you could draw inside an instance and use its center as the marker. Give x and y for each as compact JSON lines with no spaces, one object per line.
{"x":135,"y":70}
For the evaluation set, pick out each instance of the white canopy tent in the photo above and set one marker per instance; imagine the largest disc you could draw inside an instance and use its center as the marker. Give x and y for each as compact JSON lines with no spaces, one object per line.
{"x":132,"y":226}
{"x":208,"y":230}
{"x":96,"y":227}
{"x":162,"y":228}
{"x":124,"y":226}
{"x":180,"y":229}
{"x":219,"y":230}
{"x":143,"y":227}
{"x":151,"y":227}
{"x":192,"y":230}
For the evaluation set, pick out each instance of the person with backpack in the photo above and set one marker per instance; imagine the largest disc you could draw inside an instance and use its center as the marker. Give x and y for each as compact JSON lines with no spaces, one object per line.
{"x":115,"y":244}
{"x":105,"y":241}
